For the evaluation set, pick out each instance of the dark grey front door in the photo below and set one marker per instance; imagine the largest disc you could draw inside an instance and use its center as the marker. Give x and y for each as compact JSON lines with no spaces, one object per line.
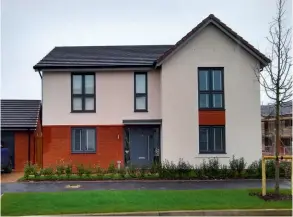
{"x":8,"y":139}
{"x":141,"y":146}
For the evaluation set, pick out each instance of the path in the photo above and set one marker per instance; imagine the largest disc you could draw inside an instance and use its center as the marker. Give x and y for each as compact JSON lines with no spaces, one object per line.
{"x":138,"y":185}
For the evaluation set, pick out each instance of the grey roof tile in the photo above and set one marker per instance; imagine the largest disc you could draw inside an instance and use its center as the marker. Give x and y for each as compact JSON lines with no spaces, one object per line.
{"x":102,"y":56}
{"x":270,"y":110}
{"x":17,"y":113}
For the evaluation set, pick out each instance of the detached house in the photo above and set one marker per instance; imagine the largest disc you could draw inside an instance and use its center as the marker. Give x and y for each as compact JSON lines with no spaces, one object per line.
{"x":135,"y":104}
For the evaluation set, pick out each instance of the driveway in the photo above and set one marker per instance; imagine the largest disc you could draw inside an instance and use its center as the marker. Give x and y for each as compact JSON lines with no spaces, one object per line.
{"x":10,"y":177}
{"x":137,"y":185}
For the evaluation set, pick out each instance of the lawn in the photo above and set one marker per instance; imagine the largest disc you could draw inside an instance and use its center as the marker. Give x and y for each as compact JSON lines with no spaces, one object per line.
{"x":71,"y":202}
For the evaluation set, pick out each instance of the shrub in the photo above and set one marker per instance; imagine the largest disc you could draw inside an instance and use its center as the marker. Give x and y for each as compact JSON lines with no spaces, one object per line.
{"x":203,"y":170}
{"x":111,"y":168}
{"x":254,"y":169}
{"x":237,"y":166}
{"x":224,"y":172}
{"x":122,"y":172}
{"x":36,"y":171}
{"x":168,"y":170}
{"x":213,"y":168}
{"x":80,"y":170}
{"x":142,"y":171}
{"x":98,"y":170}
{"x":270,"y":168}
{"x":131,"y":171}
{"x":68,"y":170}
{"x":155,"y":168}
{"x":88,"y":171}
{"x":286,"y":169}
{"x":183,"y":169}
{"x":48,"y":172}
{"x":60,"y":169}
{"x":29,"y":169}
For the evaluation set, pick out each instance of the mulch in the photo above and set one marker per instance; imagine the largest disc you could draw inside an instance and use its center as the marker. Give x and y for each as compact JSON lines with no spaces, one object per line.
{"x":272,"y":196}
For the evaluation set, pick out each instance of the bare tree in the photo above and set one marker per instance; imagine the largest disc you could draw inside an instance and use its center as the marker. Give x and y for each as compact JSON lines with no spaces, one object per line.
{"x":276,"y":78}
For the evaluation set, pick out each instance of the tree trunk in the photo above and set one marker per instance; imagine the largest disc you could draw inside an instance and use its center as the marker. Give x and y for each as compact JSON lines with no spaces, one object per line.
{"x":277,"y":149}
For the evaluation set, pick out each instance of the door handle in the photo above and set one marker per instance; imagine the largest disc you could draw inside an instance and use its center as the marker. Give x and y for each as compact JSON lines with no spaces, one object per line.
{"x":148,"y":147}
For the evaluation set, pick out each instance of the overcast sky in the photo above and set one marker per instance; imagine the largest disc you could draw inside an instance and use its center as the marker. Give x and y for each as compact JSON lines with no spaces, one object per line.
{"x":31,"y":28}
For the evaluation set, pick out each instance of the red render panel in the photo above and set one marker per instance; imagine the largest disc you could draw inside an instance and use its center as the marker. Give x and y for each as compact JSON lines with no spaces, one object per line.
{"x":211,"y":117}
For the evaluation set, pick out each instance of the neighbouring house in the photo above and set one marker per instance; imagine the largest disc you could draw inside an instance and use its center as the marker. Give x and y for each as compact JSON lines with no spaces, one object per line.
{"x":138,"y":104}
{"x":20,"y":128}
{"x":268,"y":128}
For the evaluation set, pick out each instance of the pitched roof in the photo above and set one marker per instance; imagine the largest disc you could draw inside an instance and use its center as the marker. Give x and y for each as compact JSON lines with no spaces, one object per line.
{"x":270,"y":110}
{"x":211,"y":19}
{"x":102,"y":56}
{"x":133,"y":55}
{"x":16,"y":113}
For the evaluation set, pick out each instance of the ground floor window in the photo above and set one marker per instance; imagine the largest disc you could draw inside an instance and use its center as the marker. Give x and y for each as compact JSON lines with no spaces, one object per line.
{"x":212,"y":139}
{"x":83,"y":140}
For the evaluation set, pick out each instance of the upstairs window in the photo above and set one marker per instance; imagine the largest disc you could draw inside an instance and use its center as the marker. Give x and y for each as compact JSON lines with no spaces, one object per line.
{"x":211,"y":88}
{"x":140,"y":92}
{"x":83,"y":93}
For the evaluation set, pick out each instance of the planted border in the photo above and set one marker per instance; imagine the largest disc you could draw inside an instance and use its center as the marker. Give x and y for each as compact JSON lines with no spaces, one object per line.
{"x":207,"y":170}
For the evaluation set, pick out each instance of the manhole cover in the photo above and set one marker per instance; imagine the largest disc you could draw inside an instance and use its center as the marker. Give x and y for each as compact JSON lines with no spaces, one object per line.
{"x":72,"y":186}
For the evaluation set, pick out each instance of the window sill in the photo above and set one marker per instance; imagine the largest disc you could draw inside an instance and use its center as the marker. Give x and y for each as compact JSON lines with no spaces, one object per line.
{"x":141,"y":111}
{"x":83,"y":111}
{"x":211,"y":109}
{"x":211,"y":153}
{"x":83,"y":152}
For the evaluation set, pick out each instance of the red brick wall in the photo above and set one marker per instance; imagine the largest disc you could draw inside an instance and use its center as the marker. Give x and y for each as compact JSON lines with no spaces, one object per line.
{"x":21,"y":149}
{"x":57,"y":146}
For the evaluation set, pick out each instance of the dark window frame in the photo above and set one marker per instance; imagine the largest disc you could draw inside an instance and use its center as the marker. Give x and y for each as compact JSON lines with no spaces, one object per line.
{"x":141,"y":94}
{"x":210,"y":129}
{"x":83,"y":151}
{"x":83,"y":95}
{"x":210,"y":92}
{"x":288,"y":123}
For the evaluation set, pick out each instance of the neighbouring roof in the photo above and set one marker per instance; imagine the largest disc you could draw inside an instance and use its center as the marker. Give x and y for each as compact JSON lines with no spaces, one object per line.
{"x":134,"y":56}
{"x":102,"y":56}
{"x":270,"y":110}
{"x":19,"y":114}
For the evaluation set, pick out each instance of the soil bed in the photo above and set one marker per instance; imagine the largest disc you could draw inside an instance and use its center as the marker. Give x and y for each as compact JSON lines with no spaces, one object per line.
{"x":272,"y":196}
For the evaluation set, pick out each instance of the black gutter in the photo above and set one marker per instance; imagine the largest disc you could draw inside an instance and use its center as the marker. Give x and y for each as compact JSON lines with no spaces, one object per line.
{"x":36,"y":67}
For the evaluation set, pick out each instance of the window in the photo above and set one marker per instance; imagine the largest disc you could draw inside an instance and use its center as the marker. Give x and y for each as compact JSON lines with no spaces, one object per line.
{"x":211,"y":88}
{"x":212,"y":139}
{"x":83,"y":140}
{"x":288,"y":123}
{"x":83,"y":93}
{"x":140,"y":92}
{"x":266,"y":126}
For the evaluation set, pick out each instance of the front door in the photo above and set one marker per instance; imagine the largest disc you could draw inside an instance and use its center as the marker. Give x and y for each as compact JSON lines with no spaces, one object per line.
{"x":142,"y":144}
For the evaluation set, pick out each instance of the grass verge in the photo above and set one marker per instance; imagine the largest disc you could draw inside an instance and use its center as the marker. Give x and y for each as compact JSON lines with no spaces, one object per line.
{"x":75,"y":202}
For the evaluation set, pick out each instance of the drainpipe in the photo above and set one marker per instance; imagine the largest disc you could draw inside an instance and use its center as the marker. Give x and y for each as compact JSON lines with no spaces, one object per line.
{"x":29,"y":146}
